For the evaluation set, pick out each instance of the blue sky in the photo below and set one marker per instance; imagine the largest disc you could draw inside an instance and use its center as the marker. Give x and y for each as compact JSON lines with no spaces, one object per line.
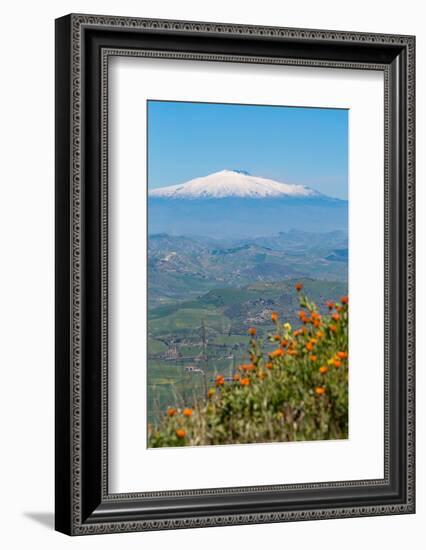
{"x":299,"y":145}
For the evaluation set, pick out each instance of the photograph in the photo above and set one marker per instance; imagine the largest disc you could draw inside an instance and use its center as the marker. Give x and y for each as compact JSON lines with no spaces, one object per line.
{"x":211,"y":239}
{"x":234,"y":260}
{"x":247,"y":261}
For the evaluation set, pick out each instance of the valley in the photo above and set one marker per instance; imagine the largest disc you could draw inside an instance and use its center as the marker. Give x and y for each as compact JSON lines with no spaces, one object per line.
{"x":204,"y":294}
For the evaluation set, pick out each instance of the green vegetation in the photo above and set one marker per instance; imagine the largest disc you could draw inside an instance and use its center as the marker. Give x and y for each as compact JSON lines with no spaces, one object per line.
{"x":182,"y":268}
{"x":156,"y":346}
{"x":185,"y":319}
{"x":211,"y":334}
{"x":298,"y":390}
{"x":230,"y":340}
{"x":203,"y":294}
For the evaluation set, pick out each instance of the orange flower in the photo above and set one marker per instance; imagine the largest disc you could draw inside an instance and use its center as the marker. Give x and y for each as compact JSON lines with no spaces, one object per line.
{"x":245,"y":381}
{"x":237,"y":377}
{"x":309,"y":346}
{"x":277,"y":337}
{"x":298,"y":287}
{"x":323,"y":370}
{"x":313,"y":358}
{"x":302,"y":314}
{"x":342,"y":354}
{"x":335,"y":316}
{"x":297,"y":332}
{"x":317,"y":323}
{"x":333,"y":328}
{"x":330,"y":305}
{"x":315,"y":316}
{"x":247,"y":367}
{"x":344,"y":300}
{"x":171,"y":411}
{"x":252,"y":331}
{"x":284,"y":343}
{"x":220,"y":380}
{"x":320,"y":390}
{"x":268,"y":366}
{"x":181,"y":433}
{"x":187,"y":412}
{"x":320,"y":334}
{"x":337,"y":363}
{"x":211,"y":392}
{"x":276,"y":353}
{"x":292,"y":352}
{"x":274,"y":316}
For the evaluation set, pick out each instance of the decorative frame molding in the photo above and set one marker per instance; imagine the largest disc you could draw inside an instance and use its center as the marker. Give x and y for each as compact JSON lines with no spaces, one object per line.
{"x":84,"y":44}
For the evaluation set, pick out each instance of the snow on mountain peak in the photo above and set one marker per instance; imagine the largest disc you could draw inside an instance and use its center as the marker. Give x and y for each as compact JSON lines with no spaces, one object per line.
{"x":233,"y":183}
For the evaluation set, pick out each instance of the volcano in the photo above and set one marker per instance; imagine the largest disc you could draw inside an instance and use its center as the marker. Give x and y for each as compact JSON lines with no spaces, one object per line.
{"x":234,"y":203}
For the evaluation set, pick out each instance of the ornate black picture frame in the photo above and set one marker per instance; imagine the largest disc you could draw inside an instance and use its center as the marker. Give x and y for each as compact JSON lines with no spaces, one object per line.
{"x":83,"y":503}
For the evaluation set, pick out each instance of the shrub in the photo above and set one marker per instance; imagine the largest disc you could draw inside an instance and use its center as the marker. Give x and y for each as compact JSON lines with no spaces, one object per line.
{"x":298,"y":391}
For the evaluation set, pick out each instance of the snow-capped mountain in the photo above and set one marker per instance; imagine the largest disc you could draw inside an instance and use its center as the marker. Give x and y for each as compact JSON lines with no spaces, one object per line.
{"x":233,"y":183}
{"x":234,"y":204}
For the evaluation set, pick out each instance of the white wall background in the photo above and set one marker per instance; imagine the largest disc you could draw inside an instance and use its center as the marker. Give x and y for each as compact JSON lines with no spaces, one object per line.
{"x":27,"y":244}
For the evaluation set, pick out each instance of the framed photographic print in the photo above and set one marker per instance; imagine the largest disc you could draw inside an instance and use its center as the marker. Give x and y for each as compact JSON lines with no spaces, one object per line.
{"x":234,"y":274}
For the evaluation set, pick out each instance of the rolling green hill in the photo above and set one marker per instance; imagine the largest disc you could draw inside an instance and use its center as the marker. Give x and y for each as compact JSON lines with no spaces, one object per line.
{"x":181,"y":268}
{"x":191,"y":341}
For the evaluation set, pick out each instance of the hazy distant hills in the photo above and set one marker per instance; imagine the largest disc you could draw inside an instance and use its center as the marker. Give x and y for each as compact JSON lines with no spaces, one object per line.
{"x":181,"y":267}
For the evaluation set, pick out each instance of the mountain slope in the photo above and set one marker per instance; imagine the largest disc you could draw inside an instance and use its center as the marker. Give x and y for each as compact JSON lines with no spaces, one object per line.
{"x":230,"y":204}
{"x":182,"y":268}
{"x":232,"y":183}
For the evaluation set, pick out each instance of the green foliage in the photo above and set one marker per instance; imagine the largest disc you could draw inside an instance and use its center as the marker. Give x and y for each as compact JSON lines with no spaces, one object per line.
{"x":297,"y":391}
{"x":156,"y":346}
{"x":185,"y":319}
